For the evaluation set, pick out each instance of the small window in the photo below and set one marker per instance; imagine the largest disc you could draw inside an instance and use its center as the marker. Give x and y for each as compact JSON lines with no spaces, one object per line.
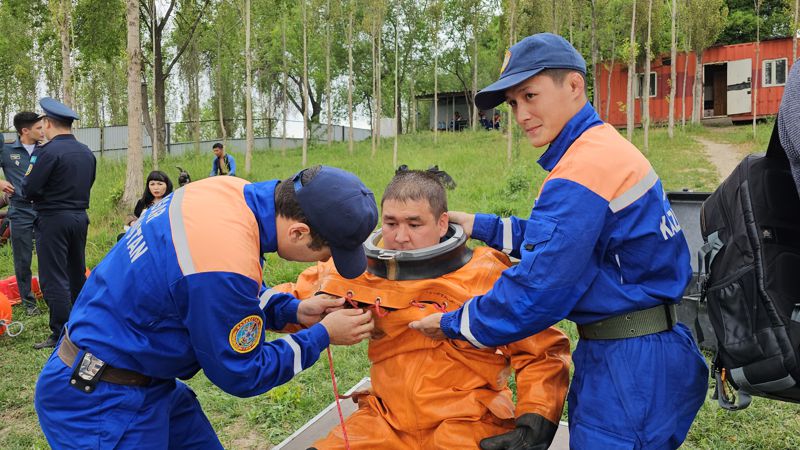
{"x":640,"y":84}
{"x":774,"y":71}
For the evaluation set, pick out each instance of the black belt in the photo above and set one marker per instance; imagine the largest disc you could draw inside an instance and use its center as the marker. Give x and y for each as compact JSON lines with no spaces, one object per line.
{"x":68,"y":351}
{"x":633,"y":324}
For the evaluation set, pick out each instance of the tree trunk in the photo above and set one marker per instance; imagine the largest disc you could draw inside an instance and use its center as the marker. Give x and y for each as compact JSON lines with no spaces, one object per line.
{"x":134,"y":167}
{"x":646,"y":90}
{"x":145,"y":105}
{"x":328,"y":73}
{"x":220,"y":111}
{"x":305,"y":84}
{"x":248,"y":97}
{"x":685,"y":76}
{"x":413,"y":106}
{"x":396,"y":98}
{"x":350,"y":80}
{"x":379,"y":76}
{"x":285,"y":86}
{"x":374,"y":115}
{"x":475,"y":110}
{"x":512,"y":31}
{"x":630,"y":107}
{"x":65,"y":28}
{"x":673,"y":70}
{"x":195,"y":102}
{"x":595,"y":75}
{"x":436,"y":81}
{"x":757,"y":66}
{"x":610,"y":73}
{"x":697,"y":96}
{"x":555,"y":16}
{"x":794,"y":31}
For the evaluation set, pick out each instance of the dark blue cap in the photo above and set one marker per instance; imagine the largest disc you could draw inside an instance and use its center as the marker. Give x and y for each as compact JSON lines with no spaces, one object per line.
{"x":527,"y":58}
{"x":57,"y":110}
{"x":343,"y":211}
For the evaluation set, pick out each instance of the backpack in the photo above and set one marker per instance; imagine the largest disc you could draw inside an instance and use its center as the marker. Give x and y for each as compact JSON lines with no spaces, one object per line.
{"x":751,"y":279}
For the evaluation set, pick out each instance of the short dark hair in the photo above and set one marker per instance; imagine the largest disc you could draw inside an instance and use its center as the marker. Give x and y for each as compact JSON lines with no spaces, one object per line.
{"x":216,"y":145}
{"x":560,"y":75}
{"x":59,"y":123}
{"x":286,"y":204}
{"x":417,"y":185}
{"x":25,"y":119}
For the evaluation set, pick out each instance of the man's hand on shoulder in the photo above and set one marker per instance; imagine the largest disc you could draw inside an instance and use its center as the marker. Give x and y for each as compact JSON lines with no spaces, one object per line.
{"x":316,"y":308}
{"x":466,"y":220}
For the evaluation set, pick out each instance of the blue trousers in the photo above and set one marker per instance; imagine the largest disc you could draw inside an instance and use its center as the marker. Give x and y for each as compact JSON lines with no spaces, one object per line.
{"x":21,"y":221}
{"x":61,"y":246}
{"x":164,"y":415}
{"x":636,"y":393}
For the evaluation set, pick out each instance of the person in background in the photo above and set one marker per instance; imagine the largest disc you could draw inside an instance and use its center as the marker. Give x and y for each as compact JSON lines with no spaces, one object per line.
{"x":223,"y":163}
{"x":496,"y":122}
{"x":157,"y":186}
{"x":58,"y":181}
{"x":15,"y":159}
{"x":484,"y":121}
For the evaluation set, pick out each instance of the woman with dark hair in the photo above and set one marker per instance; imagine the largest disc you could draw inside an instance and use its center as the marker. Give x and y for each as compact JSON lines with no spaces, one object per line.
{"x":157,"y":187}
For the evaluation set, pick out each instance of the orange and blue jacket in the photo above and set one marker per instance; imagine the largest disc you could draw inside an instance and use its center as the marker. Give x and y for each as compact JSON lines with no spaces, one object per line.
{"x":601,"y":240}
{"x":417,"y":382}
{"x":180,"y":293}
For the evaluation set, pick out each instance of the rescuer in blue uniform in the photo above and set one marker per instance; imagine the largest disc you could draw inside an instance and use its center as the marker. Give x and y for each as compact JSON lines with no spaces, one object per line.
{"x":58,"y":182}
{"x":601,"y":248}
{"x":177,"y":295}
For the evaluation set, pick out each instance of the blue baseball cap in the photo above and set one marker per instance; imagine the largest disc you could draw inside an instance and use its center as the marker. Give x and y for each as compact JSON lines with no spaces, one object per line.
{"x":342,"y":210}
{"x":527,"y":58}
{"x":57,"y":110}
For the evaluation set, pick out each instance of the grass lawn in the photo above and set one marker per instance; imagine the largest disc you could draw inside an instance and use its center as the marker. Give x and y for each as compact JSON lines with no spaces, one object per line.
{"x":486,"y":182}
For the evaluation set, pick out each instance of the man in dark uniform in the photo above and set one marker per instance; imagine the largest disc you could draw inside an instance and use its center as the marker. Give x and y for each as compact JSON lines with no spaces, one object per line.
{"x":58,"y":181}
{"x":15,"y":159}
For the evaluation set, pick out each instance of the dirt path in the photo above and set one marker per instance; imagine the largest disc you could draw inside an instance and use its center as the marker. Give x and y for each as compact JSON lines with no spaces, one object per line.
{"x":725,"y":157}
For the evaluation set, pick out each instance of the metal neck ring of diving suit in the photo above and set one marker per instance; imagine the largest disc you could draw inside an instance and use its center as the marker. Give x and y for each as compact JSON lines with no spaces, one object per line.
{"x":425,"y":263}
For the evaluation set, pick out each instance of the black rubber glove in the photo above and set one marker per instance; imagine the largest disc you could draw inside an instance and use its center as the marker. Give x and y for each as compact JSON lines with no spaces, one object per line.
{"x":533,"y":432}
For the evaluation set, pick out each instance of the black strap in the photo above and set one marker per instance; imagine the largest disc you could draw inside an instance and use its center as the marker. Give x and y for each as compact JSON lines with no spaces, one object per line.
{"x":775,"y":148}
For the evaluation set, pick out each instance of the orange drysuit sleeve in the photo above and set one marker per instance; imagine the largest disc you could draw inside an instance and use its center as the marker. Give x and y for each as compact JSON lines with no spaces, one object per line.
{"x":306,"y":286}
{"x":541,"y":364}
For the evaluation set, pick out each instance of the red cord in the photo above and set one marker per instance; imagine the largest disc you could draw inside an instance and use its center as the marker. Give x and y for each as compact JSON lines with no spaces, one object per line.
{"x":336,"y":396}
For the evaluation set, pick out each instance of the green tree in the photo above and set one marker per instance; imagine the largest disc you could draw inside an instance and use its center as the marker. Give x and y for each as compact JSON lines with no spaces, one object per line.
{"x":705,"y":20}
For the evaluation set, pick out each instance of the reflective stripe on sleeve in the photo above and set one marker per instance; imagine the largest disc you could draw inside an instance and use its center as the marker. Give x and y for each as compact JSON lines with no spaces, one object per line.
{"x":266,"y":297}
{"x":465,"y":326}
{"x":298,"y":365}
{"x":179,"y":238}
{"x":635,"y":192}
{"x":508,"y":238}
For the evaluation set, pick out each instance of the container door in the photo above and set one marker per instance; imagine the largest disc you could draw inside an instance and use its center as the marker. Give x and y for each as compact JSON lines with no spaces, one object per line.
{"x":739,"y":76}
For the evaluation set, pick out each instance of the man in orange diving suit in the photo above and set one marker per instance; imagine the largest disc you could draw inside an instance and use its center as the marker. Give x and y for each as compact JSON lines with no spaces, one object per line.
{"x":430,"y":394}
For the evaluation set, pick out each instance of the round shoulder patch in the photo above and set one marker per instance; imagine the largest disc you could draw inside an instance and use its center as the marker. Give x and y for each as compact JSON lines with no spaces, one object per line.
{"x":246,"y":334}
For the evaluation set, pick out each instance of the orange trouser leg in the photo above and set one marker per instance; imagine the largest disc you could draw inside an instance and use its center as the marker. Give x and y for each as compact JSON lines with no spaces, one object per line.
{"x":459,"y":434}
{"x":366,"y":430}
